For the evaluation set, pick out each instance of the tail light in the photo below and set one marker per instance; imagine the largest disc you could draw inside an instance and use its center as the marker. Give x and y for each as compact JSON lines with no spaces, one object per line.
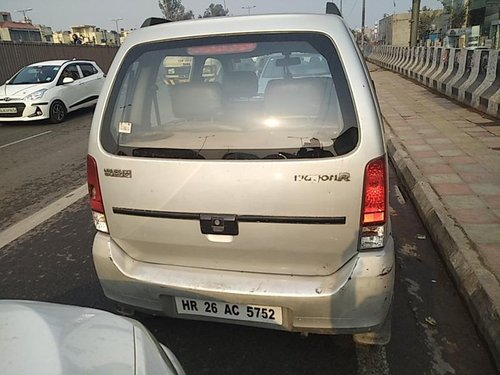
{"x":374,"y":213}
{"x":96,"y":203}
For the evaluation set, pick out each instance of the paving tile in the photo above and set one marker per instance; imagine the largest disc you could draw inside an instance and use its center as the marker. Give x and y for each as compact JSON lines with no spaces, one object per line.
{"x":460,"y":160}
{"x":485,"y":189}
{"x":490,"y":254}
{"x":443,"y":178}
{"x":436,"y":168}
{"x":452,"y":189}
{"x":463,"y":201}
{"x":411,"y":148}
{"x":493,"y":201}
{"x":424,"y":154}
{"x":474,"y":216}
{"x":472,"y":167}
{"x":477,"y":176}
{"x":455,"y":152}
{"x":415,"y":141}
{"x":438,"y":141}
{"x":428,"y":131}
{"x":429,"y":161}
{"x":483,"y":233}
{"x":446,"y":146}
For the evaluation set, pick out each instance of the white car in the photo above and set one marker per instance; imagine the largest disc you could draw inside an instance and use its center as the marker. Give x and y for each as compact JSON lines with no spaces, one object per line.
{"x":48,"y":338}
{"x":50,"y":89}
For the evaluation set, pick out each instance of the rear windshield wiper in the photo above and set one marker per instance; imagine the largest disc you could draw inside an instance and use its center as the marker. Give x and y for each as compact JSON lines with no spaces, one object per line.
{"x":167,"y":153}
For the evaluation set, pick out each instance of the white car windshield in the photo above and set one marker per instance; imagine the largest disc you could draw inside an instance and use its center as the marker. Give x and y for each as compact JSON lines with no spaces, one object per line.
{"x":35,"y":74}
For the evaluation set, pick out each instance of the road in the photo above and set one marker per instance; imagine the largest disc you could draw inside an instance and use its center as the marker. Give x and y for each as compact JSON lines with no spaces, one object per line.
{"x":432,"y":331}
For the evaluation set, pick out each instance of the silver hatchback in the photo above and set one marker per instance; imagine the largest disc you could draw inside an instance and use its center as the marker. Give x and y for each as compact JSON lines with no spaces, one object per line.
{"x":215,"y":201}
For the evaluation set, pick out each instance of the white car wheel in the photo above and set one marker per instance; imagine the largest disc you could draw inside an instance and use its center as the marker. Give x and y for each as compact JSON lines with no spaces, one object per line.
{"x":57,"y":112}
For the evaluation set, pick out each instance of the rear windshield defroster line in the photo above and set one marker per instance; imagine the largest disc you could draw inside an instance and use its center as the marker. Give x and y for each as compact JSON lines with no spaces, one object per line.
{"x":331,"y":220}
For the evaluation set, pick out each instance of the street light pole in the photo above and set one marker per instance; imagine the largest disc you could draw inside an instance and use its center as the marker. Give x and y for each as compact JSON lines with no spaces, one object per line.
{"x":248,"y":7}
{"x":117,"y":30}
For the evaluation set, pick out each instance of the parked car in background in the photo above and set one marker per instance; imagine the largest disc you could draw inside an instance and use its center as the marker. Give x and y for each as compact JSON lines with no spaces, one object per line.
{"x":299,"y":65}
{"x":213,"y":201}
{"x":50,"y":90}
{"x":48,"y":338}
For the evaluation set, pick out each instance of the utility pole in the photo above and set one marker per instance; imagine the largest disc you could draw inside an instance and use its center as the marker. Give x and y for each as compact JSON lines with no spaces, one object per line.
{"x":363,"y":25}
{"x":415,"y":17}
{"x":117,"y":29}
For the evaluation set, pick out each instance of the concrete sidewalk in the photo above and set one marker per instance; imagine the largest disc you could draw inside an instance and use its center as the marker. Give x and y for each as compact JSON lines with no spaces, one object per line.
{"x":448,"y":157}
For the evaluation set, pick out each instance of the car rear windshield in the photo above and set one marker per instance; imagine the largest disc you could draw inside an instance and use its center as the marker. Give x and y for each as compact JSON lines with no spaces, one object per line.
{"x":265,"y":96}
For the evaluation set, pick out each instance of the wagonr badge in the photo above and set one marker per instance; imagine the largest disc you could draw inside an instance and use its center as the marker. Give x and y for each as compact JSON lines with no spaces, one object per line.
{"x":343,"y":176}
{"x":124,"y":173}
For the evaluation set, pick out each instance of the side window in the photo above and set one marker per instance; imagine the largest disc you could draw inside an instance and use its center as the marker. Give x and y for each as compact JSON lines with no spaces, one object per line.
{"x":177,"y":69}
{"x":88,"y":69}
{"x":70,"y":71}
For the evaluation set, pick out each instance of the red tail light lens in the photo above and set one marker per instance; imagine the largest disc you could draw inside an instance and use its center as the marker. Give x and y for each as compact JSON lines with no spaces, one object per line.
{"x":375,"y":195}
{"x":93,"y":185}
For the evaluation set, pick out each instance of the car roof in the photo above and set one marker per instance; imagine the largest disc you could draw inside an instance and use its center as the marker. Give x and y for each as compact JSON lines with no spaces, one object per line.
{"x":238,"y":25}
{"x":57,"y":62}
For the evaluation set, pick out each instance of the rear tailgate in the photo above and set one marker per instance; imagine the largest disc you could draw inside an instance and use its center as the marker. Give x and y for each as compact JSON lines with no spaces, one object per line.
{"x":292,"y":217}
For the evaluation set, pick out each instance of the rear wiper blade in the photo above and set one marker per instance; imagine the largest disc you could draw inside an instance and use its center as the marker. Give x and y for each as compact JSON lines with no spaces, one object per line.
{"x":167,"y":153}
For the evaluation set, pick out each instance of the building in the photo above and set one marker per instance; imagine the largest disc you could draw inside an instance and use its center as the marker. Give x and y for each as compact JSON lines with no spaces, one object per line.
{"x":90,"y":34}
{"x":62,"y":37}
{"x":486,"y":15}
{"x":11,"y":31}
{"x":394,"y":30}
{"x":47,"y":34}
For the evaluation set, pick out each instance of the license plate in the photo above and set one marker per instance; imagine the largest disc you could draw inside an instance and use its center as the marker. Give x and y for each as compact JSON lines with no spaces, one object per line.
{"x":8,"y":110}
{"x":215,"y":309}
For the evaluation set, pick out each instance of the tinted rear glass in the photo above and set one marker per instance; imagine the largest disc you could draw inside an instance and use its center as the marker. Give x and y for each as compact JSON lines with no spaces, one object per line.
{"x":275,"y":96}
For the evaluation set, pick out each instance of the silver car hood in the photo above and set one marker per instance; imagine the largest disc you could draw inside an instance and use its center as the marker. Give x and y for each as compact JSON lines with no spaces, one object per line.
{"x":45,"y":338}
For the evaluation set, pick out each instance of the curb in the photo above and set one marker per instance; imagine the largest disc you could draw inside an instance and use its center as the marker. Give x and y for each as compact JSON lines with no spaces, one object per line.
{"x":477,"y":285}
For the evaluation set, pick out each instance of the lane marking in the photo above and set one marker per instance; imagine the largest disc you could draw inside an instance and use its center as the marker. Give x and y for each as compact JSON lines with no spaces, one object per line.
{"x":25,"y":139}
{"x":17,"y":230}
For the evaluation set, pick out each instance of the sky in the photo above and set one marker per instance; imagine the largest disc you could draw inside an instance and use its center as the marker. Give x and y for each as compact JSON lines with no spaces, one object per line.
{"x":62,"y":14}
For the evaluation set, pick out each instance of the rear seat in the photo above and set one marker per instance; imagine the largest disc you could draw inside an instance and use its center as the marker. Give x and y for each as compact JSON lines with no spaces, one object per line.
{"x":197,"y":100}
{"x":239,"y":89}
{"x":239,"y":85}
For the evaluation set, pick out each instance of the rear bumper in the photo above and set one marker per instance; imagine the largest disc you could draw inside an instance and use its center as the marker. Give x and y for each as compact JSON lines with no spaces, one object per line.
{"x":355,"y":299}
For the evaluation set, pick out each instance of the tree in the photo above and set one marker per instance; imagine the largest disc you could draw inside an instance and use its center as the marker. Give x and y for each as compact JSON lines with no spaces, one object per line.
{"x":427,"y":17}
{"x":174,"y":10}
{"x":215,"y":10}
{"x":456,"y":10}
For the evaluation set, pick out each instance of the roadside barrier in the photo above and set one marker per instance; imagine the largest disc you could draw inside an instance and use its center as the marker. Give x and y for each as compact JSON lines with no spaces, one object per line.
{"x":469,"y":76}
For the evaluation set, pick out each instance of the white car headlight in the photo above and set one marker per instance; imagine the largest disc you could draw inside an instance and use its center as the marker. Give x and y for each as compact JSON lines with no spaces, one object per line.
{"x":35,"y":95}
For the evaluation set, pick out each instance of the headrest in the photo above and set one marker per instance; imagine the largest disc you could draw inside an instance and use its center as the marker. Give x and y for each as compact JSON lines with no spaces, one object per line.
{"x":297,"y":97}
{"x":241,"y":84}
{"x":196,"y":100}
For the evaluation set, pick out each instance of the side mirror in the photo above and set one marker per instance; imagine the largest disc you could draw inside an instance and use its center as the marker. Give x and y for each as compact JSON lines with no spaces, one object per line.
{"x":67,"y":80}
